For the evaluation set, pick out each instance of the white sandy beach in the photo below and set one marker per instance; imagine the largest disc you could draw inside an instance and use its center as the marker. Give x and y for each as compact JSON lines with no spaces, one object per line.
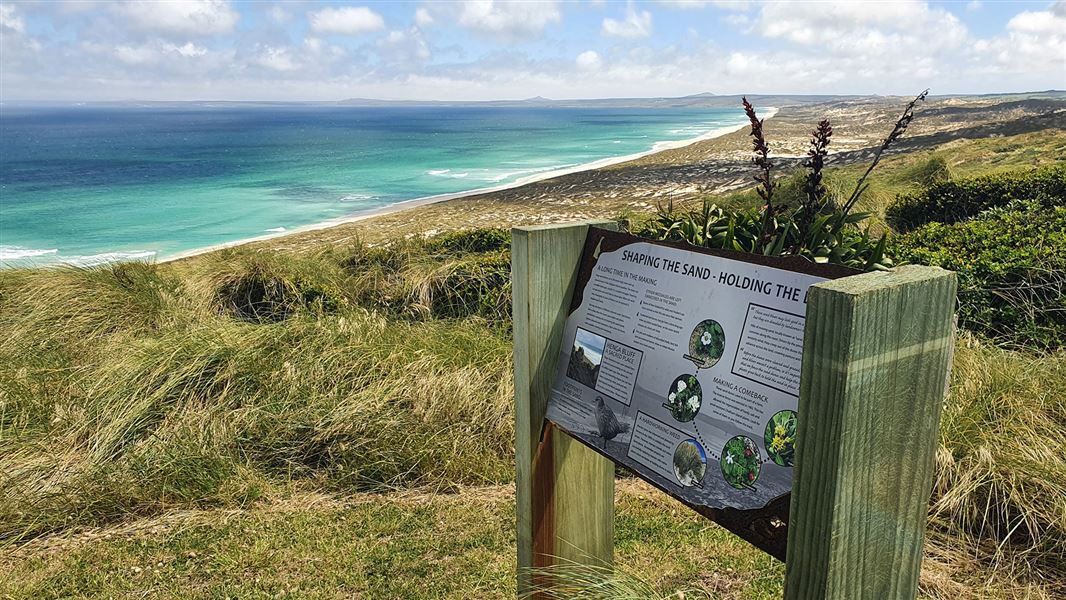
{"x":426,"y":200}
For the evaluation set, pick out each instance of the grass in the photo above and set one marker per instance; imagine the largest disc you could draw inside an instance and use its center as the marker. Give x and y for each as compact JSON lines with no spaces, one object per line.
{"x":401,"y":545}
{"x":1000,"y":488}
{"x":339,"y":423}
{"x":133,"y":391}
{"x":127,"y":397}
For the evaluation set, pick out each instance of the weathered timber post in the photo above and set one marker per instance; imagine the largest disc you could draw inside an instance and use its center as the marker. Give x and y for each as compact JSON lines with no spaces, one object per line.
{"x":877,"y":351}
{"x":565,"y":491}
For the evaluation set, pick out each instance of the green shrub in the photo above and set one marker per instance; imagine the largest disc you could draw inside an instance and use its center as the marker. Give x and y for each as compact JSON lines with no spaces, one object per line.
{"x":489,"y":239}
{"x":715,"y":227}
{"x":953,"y":201}
{"x":476,"y":286}
{"x":1011,"y":265}
{"x":265,"y":288}
{"x":452,"y":275}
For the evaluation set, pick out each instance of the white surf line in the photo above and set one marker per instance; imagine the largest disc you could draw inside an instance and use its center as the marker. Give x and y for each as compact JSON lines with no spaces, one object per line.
{"x":424,"y":200}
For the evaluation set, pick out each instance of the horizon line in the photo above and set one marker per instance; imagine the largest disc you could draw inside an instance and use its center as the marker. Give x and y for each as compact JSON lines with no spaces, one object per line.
{"x":532,"y":99}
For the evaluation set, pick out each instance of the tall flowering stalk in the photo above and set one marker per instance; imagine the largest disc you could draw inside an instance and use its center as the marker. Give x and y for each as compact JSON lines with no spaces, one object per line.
{"x":764,"y":178}
{"x":897,"y":131}
{"x":817,"y":230}
{"x":813,"y":188}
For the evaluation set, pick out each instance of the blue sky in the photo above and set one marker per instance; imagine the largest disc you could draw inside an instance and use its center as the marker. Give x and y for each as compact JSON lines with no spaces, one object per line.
{"x":481,"y":49}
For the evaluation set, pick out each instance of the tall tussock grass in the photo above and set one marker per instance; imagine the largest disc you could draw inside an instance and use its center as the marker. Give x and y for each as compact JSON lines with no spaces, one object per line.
{"x":576,"y":581}
{"x":133,"y":389}
{"x":1000,"y":489}
{"x":42,"y":312}
{"x":453,"y":275}
{"x":261,"y":287}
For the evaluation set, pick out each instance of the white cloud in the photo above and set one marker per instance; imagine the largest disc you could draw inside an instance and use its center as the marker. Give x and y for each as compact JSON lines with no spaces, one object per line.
{"x":737,"y":20}
{"x":188,"y":49}
{"x":1035,"y":42}
{"x":973,"y":5}
{"x":878,"y":31}
{"x":404,"y":47}
{"x":348,"y":20}
{"x":136,"y":55}
{"x":423,"y":18}
{"x":508,"y":19}
{"x":690,"y":4}
{"x":152,"y":54}
{"x":189,"y":17}
{"x":10,"y":20}
{"x":318,"y":53}
{"x":279,"y":15}
{"x":276,"y":59}
{"x":636,"y":24}
{"x":589,"y":60}
{"x":1044,"y":23}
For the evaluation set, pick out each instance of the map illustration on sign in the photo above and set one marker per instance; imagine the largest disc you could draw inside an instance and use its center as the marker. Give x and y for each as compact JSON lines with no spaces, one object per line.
{"x":684,"y":365}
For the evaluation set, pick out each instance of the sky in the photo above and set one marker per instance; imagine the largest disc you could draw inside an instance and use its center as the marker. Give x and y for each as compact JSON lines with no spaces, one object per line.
{"x":483,"y":49}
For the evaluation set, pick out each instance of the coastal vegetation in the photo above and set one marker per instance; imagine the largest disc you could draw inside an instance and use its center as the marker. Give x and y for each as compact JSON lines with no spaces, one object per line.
{"x":338,"y":421}
{"x":819,"y":225}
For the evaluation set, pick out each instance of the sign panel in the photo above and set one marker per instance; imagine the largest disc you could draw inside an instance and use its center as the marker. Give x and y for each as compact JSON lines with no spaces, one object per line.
{"x":683,"y":364}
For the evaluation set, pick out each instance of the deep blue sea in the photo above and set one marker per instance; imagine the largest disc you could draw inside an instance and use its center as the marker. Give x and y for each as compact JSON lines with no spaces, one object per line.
{"x":89,"y":184}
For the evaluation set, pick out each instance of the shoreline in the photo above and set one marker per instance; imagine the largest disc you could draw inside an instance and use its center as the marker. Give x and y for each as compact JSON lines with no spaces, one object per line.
{"x":404,"y":205}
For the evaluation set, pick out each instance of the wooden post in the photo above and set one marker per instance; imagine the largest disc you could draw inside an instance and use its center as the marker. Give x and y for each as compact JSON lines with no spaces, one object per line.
{"x":565,"y":491}
{"x":877,"y":351}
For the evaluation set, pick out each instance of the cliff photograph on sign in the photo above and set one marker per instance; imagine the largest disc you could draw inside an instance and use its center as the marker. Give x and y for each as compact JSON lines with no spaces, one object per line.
{"x":584,"y":363}
{"x":533,"y":299}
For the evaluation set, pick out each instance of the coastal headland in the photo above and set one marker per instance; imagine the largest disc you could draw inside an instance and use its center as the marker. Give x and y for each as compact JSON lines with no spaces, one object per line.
{"x":717,"y":163}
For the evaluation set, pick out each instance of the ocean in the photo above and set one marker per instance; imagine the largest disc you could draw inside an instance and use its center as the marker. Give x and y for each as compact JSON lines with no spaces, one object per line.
{"x":90,"y":184}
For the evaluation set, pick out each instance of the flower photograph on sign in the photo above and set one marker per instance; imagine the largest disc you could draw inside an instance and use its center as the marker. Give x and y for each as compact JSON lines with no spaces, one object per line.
{"x":740,"y":462}
{"x":780,"y":437}
{"x":706,"y":344}
{"x":684,"y":398}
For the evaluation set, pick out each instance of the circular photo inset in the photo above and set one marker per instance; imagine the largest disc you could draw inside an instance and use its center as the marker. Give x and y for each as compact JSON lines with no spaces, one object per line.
{"x":780,"y":437}
{"x":706,"y":344}
{"x":684,"y":398}
{"x":740,"y":462}
{"x":690,"y":463}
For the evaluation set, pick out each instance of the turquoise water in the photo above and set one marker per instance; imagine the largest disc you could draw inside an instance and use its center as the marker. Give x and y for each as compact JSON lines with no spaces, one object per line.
{"x":90,"y":184}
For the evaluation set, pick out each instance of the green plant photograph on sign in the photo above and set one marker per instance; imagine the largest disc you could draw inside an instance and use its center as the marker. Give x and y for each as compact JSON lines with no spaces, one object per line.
{"x":780,"y":438}
{"x":740,"y":462}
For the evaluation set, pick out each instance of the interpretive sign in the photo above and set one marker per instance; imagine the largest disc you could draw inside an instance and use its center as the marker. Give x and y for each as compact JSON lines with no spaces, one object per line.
{"x":683,"y":364}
